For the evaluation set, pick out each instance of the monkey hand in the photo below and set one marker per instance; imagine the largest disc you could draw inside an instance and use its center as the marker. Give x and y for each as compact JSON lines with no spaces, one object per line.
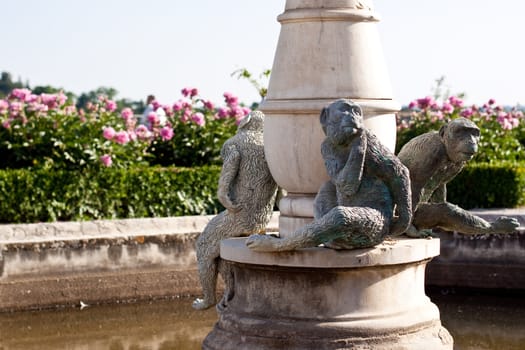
{"x":397,"y":227}
{"x":263,"y":243}
{"x":504,"y":224}
{"x":413,"y":232}
{"x":234,"y":208}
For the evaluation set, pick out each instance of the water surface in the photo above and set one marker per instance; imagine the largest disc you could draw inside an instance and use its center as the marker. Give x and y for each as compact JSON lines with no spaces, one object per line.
{"x":476,"y":321}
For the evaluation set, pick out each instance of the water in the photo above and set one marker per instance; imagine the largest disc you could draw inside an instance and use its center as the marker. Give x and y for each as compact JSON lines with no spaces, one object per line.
{"x":476,"y":321}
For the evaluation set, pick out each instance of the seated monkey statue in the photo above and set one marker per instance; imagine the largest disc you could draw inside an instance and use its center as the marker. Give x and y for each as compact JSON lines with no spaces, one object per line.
{"x":247,"y":191}
{"x":355,"y":208}
{"x":434,"y":159}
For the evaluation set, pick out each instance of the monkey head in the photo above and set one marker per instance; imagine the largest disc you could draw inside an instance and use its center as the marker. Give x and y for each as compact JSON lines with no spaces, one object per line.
{"x":460,"y":137}
{"x":252,"y":122}
{"x":341,"y":121}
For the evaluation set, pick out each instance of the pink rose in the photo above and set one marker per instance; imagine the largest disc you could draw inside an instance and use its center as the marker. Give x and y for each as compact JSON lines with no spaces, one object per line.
{"x":198,"y":118}
{"x":20,"y":94}
{"x":70,"y":110}
{"x":108,"y":133}
{"x":167,"y":109}
{"x":106,"y":160}
{"x":230,"y":99}
{"x":153,"y":118}
{"x":222,"y":113}
{"x":177,"y":106}
{"x":467,"y":113}
{"x":455,"y":101}
{"x":4,"y":105}
{"x":237,"y":112}
{"x":61,"y":98}
{"x":447,"y":108}
{"x":166,"y":133}
{"x":209,"y":105}
{"x":122,"y":137}
{"x":50,"y":100}
{"x":142,"y":132}
{"x":126,"y":113}
{"x":111,"y":105}
{"x":189,"y":92}
{"x":425,"y":102}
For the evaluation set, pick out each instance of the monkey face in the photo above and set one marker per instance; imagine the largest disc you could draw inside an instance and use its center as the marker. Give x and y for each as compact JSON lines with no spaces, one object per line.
{"x":461,"y":138}
{"x":342,"y":121}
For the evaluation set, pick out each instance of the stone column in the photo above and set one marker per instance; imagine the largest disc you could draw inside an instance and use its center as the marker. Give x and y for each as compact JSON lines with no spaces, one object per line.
{"x":327,"y":49}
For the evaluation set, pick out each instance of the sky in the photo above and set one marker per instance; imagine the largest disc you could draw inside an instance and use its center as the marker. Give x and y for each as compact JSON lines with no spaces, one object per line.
{"x":161,"y":46}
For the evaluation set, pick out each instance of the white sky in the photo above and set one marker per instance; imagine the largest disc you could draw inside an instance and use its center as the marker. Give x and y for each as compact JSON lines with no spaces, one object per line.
{"x":160,"y":46}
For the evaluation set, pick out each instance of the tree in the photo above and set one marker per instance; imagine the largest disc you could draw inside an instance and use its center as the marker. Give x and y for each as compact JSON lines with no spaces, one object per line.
{"x":7,"y":84}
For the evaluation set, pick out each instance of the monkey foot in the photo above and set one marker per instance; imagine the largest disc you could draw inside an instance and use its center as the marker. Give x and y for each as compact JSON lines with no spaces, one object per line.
{"x":420,"y":234}
{"x":263,"y":243}
{"x":201,"y":304}
{"x":505,"y":224}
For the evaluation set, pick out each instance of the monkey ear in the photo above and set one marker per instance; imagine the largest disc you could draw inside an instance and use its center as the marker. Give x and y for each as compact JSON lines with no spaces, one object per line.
{"x":443,"y":130}
{"x":245,"y":121}
{"x":323,"y":118}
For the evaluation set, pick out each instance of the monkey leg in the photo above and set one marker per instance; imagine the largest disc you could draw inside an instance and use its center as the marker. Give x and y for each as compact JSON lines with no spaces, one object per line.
{"x":346,"y":227}
{"x":207,"y":264}
{"x":325,"y":200}
{"x":226,"y":271}
{"x":453,"y":218}
{"x":208,"y":250}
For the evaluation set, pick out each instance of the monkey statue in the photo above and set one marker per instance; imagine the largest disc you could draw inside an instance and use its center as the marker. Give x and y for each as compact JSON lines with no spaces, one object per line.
{"x":247,"y":191}
{"x":434,"y":159}
{"x":355,"y":208}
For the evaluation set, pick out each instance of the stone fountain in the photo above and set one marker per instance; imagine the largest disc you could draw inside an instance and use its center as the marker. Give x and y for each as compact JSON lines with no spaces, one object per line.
{"x":319,"y":298}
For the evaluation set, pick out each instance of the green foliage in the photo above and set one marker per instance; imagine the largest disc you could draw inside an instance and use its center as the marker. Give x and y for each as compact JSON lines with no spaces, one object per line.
{"x":260,"y":83}
{"x":199,"y":130}
{"x":43,"y":195}
{"x":489,"y":185}
{"x":47,"y":131}
{"x":62,"y":138}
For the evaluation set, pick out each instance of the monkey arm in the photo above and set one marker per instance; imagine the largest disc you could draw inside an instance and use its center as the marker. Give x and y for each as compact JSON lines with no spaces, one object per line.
{"x":399,"y":185}
{"x":231,"y":161}
{"x":439,"y":195}
{"x":450,"y":217}
{"x":349,"y":178}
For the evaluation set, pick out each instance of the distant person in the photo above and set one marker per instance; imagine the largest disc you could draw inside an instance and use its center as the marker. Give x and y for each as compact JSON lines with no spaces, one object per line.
{"x":153,"y":106}
{"x":149,"y":108}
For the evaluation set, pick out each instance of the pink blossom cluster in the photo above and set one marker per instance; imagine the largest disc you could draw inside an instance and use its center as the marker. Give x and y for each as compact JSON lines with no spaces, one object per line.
{"x":20,"y":99}
{"x":22,"y":104}
{"x":232,"y":109}
{"x":429,"y":108}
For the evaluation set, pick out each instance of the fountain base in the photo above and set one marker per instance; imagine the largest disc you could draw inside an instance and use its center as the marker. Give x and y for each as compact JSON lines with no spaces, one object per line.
{"x":320,"y":298}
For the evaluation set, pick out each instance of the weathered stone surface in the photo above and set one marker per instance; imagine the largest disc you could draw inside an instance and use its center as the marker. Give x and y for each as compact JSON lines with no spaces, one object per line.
{"x":55,"y":264}
{"x":357,"y":299}
{"x":480,"y":261}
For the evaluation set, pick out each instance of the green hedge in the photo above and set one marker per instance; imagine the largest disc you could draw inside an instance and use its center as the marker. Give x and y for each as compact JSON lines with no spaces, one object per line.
{"x":489,"y":185}
{"x":64,"y":195}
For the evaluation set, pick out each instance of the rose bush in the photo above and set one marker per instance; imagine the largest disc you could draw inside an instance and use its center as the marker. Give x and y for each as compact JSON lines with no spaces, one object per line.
{"x":502,"y":129}
{"x":46,"y":130}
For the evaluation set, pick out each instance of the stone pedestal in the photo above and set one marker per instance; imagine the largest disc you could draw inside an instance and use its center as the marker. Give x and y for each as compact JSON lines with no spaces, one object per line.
{"x":320,"y":298}
{"x":327,"y":49}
